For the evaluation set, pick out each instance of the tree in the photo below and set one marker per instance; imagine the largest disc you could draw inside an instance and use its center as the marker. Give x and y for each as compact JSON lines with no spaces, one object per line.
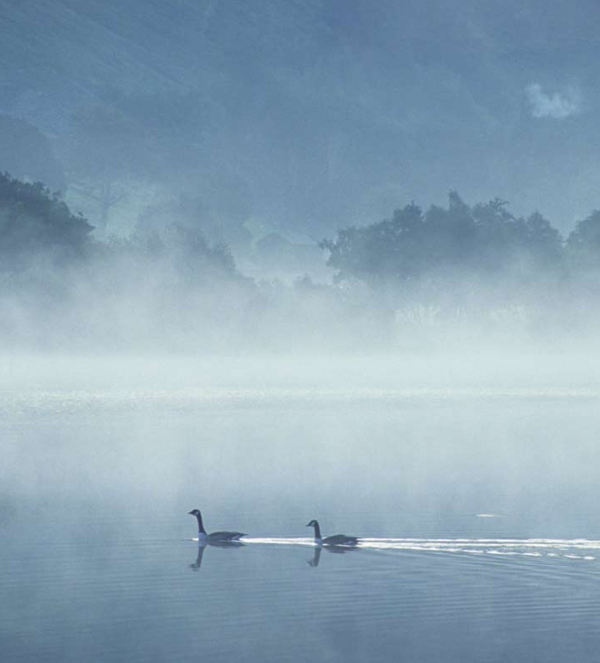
{"x":458,"y":254}
{"x":450,"y":235}
{"x":583,"y":258}
{"x":500,"y":236}
{"x":34,"y":223}
{"x":584,"y":241}
{"x":385,"y":250}
{"x":195,"y":258}
{"x":544,"y":242}
{"x":105,"y":151}
{"x":191,"y":211}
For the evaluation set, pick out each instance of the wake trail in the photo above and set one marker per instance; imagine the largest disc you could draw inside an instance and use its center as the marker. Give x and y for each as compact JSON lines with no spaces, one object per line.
{"x":585,"y":549}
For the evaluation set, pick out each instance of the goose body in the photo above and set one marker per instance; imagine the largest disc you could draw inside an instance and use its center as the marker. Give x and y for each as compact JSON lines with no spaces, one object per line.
{"x":214,"y":537}
{"x":335,"y":540}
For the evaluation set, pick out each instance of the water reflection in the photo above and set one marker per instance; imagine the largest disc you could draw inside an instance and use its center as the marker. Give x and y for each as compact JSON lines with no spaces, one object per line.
{"x":316,"y":557}
{"x":447,"y":587}
{"x":336,"y":550}
{"x":195,"y":566}
{"x":198,"y":563}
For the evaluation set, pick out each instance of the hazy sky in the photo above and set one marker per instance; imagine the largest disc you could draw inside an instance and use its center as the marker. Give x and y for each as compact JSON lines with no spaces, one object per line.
{"x":330,"y":112}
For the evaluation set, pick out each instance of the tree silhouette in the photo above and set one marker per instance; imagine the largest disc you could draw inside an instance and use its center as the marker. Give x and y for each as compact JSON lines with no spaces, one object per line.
{"x":34,"y":223}
{"x":445,"y":250}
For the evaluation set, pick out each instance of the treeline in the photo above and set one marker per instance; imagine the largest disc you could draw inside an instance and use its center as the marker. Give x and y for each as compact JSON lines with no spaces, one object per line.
{"x":172,"y":289}
{"x":463,"y":255}
{"x":168,"y":290}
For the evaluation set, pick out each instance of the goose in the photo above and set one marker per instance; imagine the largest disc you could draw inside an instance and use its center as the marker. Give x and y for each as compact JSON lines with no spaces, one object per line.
{"x":214,"y":537}
{"x":335,"y":540}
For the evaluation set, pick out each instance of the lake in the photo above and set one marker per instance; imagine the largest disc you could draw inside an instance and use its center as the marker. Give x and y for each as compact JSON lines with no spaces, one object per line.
{"x":477,"y":504}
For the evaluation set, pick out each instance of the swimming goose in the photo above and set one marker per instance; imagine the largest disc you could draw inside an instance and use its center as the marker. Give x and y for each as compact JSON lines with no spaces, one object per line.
{"x":214,"y":537}
{"x":335,"y":540}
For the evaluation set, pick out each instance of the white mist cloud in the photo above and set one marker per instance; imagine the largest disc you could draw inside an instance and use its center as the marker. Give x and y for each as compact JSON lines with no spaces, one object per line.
{"x":558,"y":105}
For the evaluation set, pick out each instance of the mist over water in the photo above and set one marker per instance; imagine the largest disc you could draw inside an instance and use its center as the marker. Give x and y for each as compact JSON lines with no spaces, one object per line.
{"x":326,"y":260}
{"x":475,"y":504}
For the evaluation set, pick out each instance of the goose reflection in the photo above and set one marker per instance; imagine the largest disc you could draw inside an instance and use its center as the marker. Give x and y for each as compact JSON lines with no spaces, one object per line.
{"x":316,"y":558}
{"x":198,"y":563}
{"x":195,"y":566}
{"x":334,"y":550}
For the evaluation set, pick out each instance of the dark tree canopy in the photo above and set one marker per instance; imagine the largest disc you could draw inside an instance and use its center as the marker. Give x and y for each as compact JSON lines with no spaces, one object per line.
{"x":175,"y":283}
{"x":35,"y":222}
{"x":484,"y":243}
{"x":584,"y":241}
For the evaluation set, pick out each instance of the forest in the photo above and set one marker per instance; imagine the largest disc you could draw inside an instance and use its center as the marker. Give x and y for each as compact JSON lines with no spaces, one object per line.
{"x":422,"y":276}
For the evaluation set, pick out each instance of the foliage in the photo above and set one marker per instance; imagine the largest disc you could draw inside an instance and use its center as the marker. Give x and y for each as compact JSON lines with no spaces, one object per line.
{"x":584,"y":242}
{"x":175,"y":285}
{"x":443,"y":249}
{"x":192,"y":212}
{"x":34,"y":223}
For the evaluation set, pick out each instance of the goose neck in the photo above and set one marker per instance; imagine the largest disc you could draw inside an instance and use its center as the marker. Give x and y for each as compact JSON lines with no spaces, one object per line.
{"x":201,"y":529}
{"x":318,"y":538}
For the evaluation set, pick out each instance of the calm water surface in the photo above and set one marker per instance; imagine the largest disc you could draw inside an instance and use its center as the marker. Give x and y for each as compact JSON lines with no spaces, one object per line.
{"x":479,"y":511}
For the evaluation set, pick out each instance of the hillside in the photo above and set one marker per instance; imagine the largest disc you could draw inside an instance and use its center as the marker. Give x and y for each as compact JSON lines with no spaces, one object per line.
{"x":327,"y":112}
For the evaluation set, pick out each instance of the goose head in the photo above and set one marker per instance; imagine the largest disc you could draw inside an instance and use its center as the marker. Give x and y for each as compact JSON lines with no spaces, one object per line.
{"x":313,"y":523}
{"x":194,"y":512}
